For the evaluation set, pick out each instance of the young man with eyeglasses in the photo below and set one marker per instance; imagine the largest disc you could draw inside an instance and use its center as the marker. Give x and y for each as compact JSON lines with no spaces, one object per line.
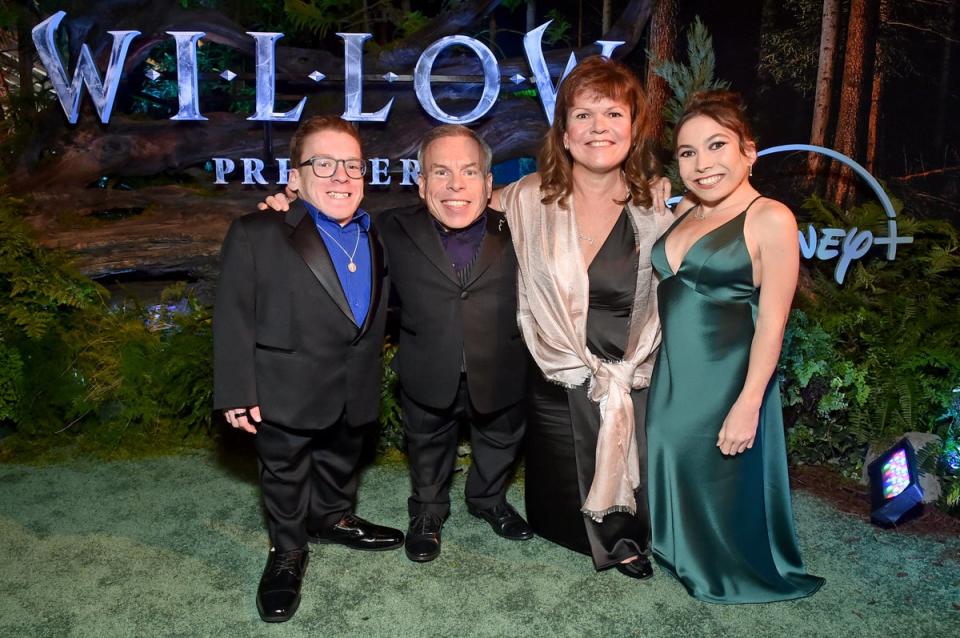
{"x":298,"y":334}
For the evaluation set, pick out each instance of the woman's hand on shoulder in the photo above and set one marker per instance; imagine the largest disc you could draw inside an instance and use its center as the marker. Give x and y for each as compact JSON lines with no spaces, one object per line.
{"x":279,"y":202}
{"x":495,"y":202}
{"x":660,"y":189}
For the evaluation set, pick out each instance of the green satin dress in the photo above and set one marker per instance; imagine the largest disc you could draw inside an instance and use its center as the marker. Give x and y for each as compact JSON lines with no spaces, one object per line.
{"x":722,"y":525}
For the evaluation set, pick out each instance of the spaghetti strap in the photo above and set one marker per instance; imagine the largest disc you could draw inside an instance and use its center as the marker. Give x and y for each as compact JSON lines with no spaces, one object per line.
{"x":752,"y":201}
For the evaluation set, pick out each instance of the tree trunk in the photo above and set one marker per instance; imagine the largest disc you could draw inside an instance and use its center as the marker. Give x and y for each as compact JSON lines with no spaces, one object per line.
{"x":660,"y":44}
{"x":943,"y":90}
{"x":876,"y":87}
{"x":829,"y":27}
{"x":605,"y":19}
{"x":846,"y":139}
{"x":25,"y":56}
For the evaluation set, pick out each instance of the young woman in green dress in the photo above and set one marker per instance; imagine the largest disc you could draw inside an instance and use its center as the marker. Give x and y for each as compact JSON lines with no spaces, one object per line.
{"x":722,"y":519}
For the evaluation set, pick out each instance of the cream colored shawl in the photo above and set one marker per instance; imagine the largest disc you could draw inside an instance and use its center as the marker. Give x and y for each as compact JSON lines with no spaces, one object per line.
{"x":554,"y":295}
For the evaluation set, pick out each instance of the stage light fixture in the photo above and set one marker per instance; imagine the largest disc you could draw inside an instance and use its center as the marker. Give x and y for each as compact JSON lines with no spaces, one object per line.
{"x":894,"y":483}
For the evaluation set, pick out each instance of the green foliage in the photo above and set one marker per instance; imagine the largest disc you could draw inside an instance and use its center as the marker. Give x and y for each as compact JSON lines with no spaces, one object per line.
{"x":698,"y":74}
{"x":318,"y":16}
{"x":72,"y":368}
{"x":11,"y":380}
{"x":879,"y":355}
{"x":77,"y":373}
{"x":559,"y":30}
{"x":789,"y":55}
{"x":410,"y":22}
{"x":41,"y":297}
{"x":391,"y":419}
{"x":159,"y":97}
{"x":36,"y":285}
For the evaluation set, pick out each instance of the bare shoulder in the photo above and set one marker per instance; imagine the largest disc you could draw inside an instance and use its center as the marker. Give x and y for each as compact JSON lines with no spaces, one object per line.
{"x":769,"y":219}
{"x":684,"y":205}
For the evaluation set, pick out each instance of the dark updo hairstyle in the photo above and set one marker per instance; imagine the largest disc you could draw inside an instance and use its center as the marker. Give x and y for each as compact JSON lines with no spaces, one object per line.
{"x":723,"y":107}
{"x":598,"y":77}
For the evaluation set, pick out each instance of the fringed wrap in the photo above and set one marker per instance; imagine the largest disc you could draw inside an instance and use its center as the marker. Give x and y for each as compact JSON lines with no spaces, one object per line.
{"x":554,"y":297}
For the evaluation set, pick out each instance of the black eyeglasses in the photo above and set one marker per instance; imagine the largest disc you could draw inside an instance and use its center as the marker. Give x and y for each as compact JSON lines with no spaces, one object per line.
{"x":327,"y":166}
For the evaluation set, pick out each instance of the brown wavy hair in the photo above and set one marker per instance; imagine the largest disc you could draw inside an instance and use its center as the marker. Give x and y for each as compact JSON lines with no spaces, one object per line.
{"x":723,"y":107}
{"x":601,"y":78}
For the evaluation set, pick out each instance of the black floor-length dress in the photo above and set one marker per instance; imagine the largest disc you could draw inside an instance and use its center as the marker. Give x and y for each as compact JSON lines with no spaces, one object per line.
{"x":563,"y":424}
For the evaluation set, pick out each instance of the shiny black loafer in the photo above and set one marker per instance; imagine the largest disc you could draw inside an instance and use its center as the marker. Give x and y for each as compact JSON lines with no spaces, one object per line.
{"x":278,"y":595}
{"x":356,"y":533}
{"x":505,"y":521}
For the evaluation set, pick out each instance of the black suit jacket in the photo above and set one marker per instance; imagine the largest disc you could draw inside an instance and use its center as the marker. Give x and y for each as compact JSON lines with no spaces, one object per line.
{"x":444,"y":323}
{"x":284,"y":336}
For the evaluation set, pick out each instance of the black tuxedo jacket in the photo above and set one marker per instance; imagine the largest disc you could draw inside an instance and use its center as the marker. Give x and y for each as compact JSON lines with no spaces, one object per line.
{"x":445,"y":323}
{"x":284,"y":336}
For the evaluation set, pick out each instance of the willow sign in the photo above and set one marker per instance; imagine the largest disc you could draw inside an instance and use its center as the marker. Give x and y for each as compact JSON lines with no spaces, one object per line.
{"x":843,"y":245}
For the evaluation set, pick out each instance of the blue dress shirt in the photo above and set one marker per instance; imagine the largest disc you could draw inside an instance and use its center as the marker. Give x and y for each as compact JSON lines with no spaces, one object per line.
{"x":340,"y":242}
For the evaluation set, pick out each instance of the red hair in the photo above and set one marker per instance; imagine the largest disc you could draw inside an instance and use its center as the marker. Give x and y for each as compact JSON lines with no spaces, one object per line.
{"x":315,"y":125}
{"x":601,"y":78}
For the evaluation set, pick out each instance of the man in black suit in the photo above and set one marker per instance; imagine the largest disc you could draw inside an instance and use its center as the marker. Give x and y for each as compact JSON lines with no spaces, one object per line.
{"x":298,"y":334}
{"x":460,"y":357}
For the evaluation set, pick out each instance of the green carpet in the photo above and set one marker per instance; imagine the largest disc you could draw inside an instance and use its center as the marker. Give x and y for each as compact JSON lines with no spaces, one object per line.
{"x":175,"y":547}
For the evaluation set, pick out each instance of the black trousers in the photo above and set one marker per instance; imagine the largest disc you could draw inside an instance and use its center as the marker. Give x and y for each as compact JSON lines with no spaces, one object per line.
{"x":432,"y":434}
{"x":308,"y":478}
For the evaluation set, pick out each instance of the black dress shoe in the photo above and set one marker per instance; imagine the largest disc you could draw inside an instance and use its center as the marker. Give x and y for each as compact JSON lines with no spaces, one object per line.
{"x":423,"y":537}
{"x":356,"y":533}
{"x":505,"y":521}
{"x":641,"y":569}
{"x":279,"y":593}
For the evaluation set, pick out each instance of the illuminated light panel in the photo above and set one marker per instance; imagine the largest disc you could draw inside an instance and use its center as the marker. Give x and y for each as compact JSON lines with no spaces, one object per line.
{"x":896,"y":475}
{"x":894,"y":484}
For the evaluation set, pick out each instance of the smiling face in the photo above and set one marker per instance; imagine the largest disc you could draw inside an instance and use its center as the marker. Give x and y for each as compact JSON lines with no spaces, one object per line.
{"x":711,"y":162}
{"x":337,"y":196}
{"x":598,"y":132}
{"x":452,"y":182}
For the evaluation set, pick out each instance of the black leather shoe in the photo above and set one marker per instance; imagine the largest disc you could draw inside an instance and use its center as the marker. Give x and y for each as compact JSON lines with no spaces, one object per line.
{"x":641,"y":569}
{"x":505,"y":521}
{"x":279,"y":593}
{"x":423,"y":537}
{"x":356,"y":533}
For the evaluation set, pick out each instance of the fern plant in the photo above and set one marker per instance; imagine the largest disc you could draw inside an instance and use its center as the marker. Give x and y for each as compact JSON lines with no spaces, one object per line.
{"x":878,"y":356}
{"x":685,"y":79}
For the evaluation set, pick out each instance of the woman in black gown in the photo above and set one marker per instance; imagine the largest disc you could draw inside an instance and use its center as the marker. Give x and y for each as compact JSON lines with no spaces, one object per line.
{"x":583,"y":229}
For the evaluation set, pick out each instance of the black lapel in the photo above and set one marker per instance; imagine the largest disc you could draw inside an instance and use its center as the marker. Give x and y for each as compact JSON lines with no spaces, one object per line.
{"x":377,"y":273}
{"x":420,"y":228}
{"x":494,"y":242}
{"x":306,"y":241}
